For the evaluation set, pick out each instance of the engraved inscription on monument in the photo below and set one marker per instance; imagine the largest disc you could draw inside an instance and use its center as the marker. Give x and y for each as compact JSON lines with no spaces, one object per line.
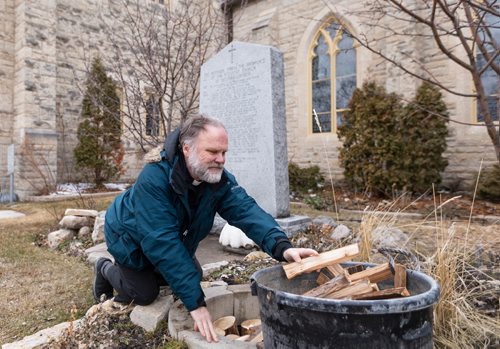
{"x":237,"y":87}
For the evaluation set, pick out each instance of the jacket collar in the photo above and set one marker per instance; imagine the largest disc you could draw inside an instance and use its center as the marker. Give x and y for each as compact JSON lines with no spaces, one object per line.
{"x":172,"y":145}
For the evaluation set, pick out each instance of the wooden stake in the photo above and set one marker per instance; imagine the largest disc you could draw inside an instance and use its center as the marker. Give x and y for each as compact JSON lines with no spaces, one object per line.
{"x":324,"y":259}
{"x":375,"y":274}
{"x":383,"y":294}
{"x":250,"y":326}
{"x":227,"y":324}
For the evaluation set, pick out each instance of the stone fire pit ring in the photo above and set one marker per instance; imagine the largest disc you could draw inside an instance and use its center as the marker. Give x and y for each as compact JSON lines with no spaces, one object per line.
{"x":235,"y":300}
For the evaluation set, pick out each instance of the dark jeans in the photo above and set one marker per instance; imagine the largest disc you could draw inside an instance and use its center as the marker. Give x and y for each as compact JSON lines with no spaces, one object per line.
{"x":140,"y":287}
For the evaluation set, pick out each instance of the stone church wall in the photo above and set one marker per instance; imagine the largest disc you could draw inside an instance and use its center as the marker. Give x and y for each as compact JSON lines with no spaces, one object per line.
{"x":7,"y":34}
{"x":46,"y":47}
{"x":290,"y":26}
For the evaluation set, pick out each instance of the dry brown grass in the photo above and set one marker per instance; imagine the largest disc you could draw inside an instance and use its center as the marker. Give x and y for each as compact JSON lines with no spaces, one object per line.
{"x":38,"y":287}
{"x":457,"y":321}
{"x":449,"y":258}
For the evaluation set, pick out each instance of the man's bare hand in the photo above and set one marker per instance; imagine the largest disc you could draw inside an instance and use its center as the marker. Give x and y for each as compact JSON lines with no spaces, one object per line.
{"x":296,"y":254}
{"x":203,"y":323}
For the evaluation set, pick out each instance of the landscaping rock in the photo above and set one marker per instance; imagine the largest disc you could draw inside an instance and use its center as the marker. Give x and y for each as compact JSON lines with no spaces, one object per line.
{"x":76,"y":222}
{"x":255,"y":256}
{"x":341,"y":232}
{"x":41,"y":337}
{"x":98,"y":232}
{"x":321,"y":220}
{"x":82,"y":213}
{"x":57,"y":237}
{"x":389,"y":237}
{"x":149,"y":316}
{"x":95,"y":252}
{"x":219,"y":223}
{"x":211,"y":267}
{"x":84,"y":231}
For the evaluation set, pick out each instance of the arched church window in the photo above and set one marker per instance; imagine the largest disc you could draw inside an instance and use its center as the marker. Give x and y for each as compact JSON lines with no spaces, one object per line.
{"x":333,"y":76}
{"x":489,"y":34}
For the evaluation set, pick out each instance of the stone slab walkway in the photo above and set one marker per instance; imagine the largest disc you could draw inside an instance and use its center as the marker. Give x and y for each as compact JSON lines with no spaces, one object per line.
{"x":10,"y":214}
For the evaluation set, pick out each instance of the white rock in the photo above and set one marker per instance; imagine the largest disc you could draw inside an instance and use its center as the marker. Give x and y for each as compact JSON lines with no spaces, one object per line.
{"x":83,"y":213}
{"x":211,"y":267}
{"x":98,"y":232}
{"x":149,"y":316}
{"x":219,"y":223}
{"x":341,"y":232}
{"x":59,"y":236}
{"x":76,"y":222}
{"x":255,"y":256}
{"x":386,"y":236}
{"x":234,"y":237}
{"x":84,"y":231}
{"x":321,"y":220}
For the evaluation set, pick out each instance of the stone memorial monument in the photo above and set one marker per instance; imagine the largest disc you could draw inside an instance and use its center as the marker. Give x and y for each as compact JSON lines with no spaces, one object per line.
{"x":243,"y":86}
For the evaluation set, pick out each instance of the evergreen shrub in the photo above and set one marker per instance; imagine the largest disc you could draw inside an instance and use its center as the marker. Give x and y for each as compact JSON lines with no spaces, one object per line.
{"x":304,"y":179}
{"x":389,"y":148}
{"x":99,"y":153}
{"x":489,"y":184}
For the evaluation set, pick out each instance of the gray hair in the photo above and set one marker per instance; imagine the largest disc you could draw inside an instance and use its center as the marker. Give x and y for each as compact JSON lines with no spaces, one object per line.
{"x":192,"y":127}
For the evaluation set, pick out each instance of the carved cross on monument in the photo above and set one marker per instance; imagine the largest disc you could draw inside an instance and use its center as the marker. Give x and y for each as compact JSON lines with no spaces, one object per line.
{"x":232,"y":49}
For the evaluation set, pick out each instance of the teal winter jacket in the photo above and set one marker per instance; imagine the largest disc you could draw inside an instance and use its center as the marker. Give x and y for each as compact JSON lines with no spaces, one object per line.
{"x":151,"y":225}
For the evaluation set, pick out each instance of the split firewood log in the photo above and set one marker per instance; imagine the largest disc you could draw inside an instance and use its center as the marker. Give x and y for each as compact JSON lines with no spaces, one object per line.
{"x":259,"y":337}
{"x":322,"y":278}
{"x":244,"y":338}
{"x":219,"y":331}
{"x":250,"y":326}
{"x":383,"y":294}
{"x":336,"y":270}
{"x":328,"y":287}
{"x":374,"y":274}
{"x":399,"y":276}
{"x":355,"y":288}
{"x":324,"y":259}
{"x":227,"y":324}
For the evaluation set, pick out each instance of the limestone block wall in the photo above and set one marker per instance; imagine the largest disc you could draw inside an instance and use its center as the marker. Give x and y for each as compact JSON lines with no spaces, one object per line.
{"x":291,"y":28}
{"x":34,"y":90}
{"x":82,"y":28}
{"x":6,"y":77}
{"x":45,"y":49}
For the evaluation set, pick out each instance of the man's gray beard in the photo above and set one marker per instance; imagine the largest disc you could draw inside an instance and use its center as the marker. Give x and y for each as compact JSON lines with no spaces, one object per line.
{"x":201,"y":171}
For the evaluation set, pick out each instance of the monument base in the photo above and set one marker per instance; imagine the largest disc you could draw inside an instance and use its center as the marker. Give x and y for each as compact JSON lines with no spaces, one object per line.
{"x":293,"y":224}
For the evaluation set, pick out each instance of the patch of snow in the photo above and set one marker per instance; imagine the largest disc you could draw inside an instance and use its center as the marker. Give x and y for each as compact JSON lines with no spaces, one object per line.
{"x":117,"y":186}
{"x":78,"y":188}
{"x":72,"y":188}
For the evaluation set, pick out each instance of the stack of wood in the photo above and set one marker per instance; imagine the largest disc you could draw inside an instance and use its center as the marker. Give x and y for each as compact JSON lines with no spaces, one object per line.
{"x":248,"y":331}
{"x":355,"y":283}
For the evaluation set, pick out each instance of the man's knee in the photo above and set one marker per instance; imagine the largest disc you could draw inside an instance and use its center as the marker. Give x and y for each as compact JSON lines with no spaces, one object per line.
{"x":146,"y":297}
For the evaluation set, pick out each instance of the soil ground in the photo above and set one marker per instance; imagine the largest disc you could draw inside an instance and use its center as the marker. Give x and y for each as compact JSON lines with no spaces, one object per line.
{"x":40,"y":287}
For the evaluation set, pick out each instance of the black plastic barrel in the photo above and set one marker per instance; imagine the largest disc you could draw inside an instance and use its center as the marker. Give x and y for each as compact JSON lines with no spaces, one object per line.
{"x":290,"y":320}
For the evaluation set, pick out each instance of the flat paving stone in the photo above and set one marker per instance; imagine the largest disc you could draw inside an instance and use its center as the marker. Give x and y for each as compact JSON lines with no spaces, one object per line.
{"x":10,"y":214}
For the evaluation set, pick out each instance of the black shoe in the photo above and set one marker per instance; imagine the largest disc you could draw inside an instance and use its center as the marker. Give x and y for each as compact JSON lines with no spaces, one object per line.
{"x":101,"y":288}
